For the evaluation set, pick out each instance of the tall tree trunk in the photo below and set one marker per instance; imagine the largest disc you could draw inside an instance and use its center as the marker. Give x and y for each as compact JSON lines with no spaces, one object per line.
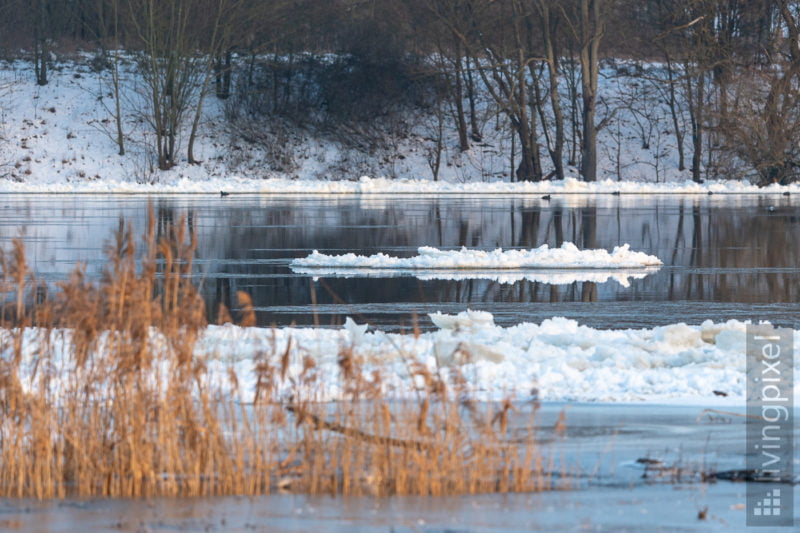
{"x":458,"y":97}
{"x":555,"y":140}
{"x":588,"y":140}
{"x":572,"y":84}
{"x":695,"y":90}
{"x":475,"y":130}
{"x":115,"y":74}
{"x":40,"y":48}
{"x":222,"y":76}
{"x":591,"y":31}
{"x":529,"y":168}
{"x":557,"y":152}
{"x":117,"y":104}
{"x":673,"y":110}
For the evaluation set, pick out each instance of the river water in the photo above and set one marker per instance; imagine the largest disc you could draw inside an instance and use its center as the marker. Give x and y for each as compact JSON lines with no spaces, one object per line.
{"x":725,"y":256}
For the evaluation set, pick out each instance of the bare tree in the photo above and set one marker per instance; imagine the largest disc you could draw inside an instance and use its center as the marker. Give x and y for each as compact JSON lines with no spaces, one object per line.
{"x":503,"y":61}
{"x":674,"y":112}
{"x":178,"y":39}
{"x":451,"y":64}
{"x":109,"y":27}
{"x":41,"y":40}
{"x":767,"y":106}
{"x":550,"y":22}
{"x":219,"y":33}
{"x":588,"y":26}
{"x":687,"y":42}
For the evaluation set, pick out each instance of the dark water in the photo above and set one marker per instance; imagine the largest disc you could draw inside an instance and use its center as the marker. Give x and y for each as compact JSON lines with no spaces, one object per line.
{"x":725,"y":256}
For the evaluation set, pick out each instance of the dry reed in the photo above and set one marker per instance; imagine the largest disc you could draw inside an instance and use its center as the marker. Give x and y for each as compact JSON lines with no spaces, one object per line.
{"x":101,"y":394}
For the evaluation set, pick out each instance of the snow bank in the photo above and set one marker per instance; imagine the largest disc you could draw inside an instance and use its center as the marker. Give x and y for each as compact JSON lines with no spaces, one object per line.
{"x":199,"y":181}
{"x":505,"y":277}
{"x":566,"y":257}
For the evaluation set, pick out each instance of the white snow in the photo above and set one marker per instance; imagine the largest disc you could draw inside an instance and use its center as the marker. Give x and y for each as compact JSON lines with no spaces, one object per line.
{"x":60,"y":139}
{"x":174,"y":182}
{"x":557,"y":360}
{"x":504,"y":277}
{"x":566,"y":257}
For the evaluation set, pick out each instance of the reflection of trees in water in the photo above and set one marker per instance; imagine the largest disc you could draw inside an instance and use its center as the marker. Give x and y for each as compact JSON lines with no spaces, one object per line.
{"x":256,"y":244}
{"x":731,"y":242}
{"x":167,"y":216}
{"x":245,"y":244}
{"x":589,"y":231}
{"x":253,"y":237}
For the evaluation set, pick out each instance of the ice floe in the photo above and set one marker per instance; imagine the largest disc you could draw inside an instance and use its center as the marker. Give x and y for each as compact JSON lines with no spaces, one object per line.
{"x":568,"y":256}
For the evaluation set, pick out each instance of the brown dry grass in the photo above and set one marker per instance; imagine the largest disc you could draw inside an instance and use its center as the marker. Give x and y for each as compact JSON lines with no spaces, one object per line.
{"x":101,"y":394}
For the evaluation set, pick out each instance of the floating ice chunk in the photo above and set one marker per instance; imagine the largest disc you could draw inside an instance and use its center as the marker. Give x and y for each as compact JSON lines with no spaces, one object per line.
{"x":730,"y":340}
{"x":466,"y":320}
{"x":677,"y":336}
{"x":568,"y":256}
{"x":451,"y":351}
{"x":356,"y":331}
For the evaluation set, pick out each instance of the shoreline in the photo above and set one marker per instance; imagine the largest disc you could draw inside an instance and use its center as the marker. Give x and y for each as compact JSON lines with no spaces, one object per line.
{"x":365,"y":186}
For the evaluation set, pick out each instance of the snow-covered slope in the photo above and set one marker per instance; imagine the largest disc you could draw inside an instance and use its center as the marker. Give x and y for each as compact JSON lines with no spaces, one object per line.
{"x":60,"y":138}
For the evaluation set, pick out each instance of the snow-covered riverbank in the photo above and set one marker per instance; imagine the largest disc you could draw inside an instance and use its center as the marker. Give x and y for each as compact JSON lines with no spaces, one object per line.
{"x":60,"y":138}
{"x":176,"y":183}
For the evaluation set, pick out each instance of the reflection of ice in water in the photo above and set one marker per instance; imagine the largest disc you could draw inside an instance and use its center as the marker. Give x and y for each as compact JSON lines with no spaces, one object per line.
{"x":567,"y":256}
{"x":550,"y":277}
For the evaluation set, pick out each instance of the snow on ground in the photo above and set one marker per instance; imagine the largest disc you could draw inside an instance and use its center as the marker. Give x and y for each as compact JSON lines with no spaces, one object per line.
{"x":543,"y":257}
{"x":60,"y":139}
{"x":506,"y":277}
{"x":174,"y":182}
{"x":557,"y":360}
